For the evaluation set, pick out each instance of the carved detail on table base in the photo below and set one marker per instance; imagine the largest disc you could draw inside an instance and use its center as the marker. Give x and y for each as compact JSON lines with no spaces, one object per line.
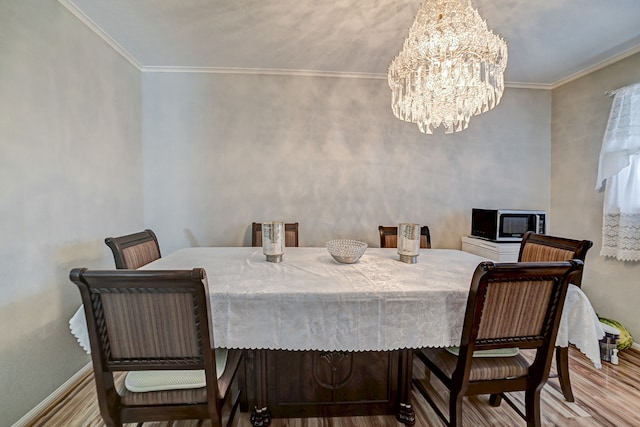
{"x":260,"y":417}
{"x":406,"y":415}
{"x":339,"y":376}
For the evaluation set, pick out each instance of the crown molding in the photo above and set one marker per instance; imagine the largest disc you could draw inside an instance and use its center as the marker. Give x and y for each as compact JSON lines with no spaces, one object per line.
{"x":520,"y":85}
{"x":262,"y":71}
{"x":598,"y":66}
{"x":303,"y":73}
{"x":71,"y":7}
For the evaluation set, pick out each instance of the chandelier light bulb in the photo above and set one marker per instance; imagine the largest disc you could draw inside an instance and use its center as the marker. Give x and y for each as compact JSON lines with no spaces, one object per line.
{"x":451,"y":67}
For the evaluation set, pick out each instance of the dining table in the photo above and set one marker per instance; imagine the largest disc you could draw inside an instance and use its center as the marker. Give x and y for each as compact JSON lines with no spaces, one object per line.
{"x":323,"y":338}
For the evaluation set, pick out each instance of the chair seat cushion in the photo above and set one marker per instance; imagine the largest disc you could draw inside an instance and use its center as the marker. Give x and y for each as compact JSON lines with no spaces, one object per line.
{"x":145,"y":381}
{"x":482,"y":368}
{"x":498,"y":352}
{"x":186,"y":396}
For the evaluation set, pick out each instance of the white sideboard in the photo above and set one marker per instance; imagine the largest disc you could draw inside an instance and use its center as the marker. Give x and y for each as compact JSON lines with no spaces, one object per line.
{"x":499,"y":252}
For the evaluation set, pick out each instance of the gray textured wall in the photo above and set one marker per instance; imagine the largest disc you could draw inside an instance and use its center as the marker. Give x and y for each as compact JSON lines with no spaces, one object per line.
{"x":580,"y":113}
{"x":70,"y":173}
{"x":222,"y":151}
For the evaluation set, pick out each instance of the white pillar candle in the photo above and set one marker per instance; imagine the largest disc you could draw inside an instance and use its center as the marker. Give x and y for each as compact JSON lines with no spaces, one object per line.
{"x":409,"y":242}
{"x":273,"y":240}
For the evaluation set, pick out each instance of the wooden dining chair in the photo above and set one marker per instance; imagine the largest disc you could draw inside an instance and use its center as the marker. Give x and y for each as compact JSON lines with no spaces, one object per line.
{"x":509,"y":306}
{"x":290,"y":234}
{"x":134,"y":250}
{"x":152,"y":347}
{"x":543,"y":248}
{"x":389,"y":237}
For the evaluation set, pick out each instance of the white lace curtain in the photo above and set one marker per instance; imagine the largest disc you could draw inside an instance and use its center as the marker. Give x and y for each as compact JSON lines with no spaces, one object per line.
{"x":619,"y":175}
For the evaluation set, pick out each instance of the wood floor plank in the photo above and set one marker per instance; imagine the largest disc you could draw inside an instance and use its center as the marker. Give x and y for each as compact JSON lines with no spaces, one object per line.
{"x":606,"y":397}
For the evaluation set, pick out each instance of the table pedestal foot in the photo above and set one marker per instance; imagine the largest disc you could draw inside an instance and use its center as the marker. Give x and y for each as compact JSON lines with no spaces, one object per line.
{"x":406,"y":415}
{"x":260,"y":417}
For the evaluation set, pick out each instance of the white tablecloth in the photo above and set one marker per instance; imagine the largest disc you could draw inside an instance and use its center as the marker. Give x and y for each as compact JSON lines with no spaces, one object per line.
{"x":311,"y":302}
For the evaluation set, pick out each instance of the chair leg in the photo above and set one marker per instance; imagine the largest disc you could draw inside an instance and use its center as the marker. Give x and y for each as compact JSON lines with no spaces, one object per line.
{"x":532,"y":406}
{"x":562,"y":365}
{"x":455,"y":410}
{"x":495,"y":399}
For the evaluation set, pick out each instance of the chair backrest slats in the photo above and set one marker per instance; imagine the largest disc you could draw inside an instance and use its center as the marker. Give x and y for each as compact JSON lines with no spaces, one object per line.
{"x":151,"y":325}
{"x":139,"y":255}
{"x":545,"y":248}
{"x":534,"y":252}
{"x":515,"y":310}
{"x":134,"y":250}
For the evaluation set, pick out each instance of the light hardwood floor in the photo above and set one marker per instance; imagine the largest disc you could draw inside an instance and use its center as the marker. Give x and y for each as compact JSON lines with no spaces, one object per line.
{"x":606,"y":397}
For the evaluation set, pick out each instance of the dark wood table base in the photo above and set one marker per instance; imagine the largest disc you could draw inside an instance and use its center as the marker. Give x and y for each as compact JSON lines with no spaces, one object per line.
{"x":298,"y":384}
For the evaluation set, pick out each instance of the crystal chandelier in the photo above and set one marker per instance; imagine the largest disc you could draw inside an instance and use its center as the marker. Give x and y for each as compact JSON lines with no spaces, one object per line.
{"x":450,"y":68}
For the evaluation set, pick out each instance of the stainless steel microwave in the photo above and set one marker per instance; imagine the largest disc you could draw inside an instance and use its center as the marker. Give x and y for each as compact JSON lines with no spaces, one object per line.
{"x":506,"y":225}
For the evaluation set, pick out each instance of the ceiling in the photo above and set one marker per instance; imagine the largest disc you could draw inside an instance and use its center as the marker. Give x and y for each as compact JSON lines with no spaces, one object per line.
{"x":550,"y":42}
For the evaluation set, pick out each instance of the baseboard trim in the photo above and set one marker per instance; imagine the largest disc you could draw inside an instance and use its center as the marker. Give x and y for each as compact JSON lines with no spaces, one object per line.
{"x":30,"y":417}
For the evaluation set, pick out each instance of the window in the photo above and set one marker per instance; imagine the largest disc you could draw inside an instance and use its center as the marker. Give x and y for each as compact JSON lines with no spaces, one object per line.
{"x":619,"y":175}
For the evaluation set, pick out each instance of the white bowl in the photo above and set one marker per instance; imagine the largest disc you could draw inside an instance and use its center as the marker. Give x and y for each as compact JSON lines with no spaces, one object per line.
{"x":346,"y":251}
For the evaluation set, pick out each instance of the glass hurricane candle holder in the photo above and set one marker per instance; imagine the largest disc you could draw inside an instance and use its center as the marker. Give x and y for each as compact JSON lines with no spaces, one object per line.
{"x":409,"y":242}
{"x":273,"y":240}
